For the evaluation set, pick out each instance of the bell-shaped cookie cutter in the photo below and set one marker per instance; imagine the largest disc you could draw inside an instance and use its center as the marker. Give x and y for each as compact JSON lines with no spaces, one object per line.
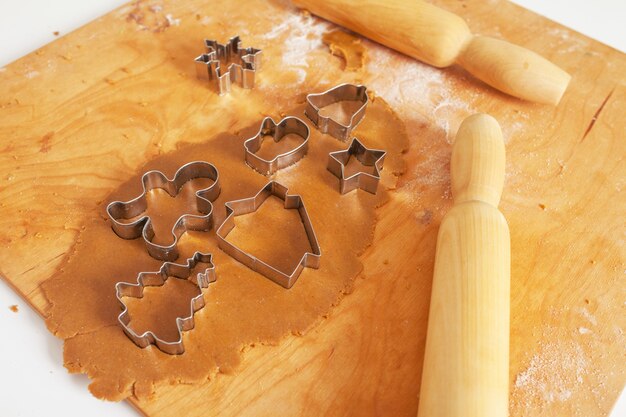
{"x":288,"y":125}
{"x":241,"y":64}
{"x":157,"y":279}
{"x":126,"y":210}
{"x":342,"y":92}
{"x":248,"y":205}
{"x":364,"y":180}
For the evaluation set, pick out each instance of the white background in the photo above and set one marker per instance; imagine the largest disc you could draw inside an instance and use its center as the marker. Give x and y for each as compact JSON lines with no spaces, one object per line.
{"x":33,"y":381}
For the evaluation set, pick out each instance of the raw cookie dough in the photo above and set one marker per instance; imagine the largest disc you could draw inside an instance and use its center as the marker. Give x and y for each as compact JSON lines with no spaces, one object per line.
{"x":243,"y":308}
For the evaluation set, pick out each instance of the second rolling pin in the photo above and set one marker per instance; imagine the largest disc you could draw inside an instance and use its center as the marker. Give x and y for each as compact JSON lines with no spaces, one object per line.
{"x":466,"y":360}
{"x":440,"y":38}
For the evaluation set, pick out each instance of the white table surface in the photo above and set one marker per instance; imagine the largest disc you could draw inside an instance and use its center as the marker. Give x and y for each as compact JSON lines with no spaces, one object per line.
{"x":33,"y":381}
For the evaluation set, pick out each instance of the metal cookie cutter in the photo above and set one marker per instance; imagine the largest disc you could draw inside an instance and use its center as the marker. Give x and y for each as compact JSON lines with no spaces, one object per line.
{"x":342,"y":92}
{"x":369,"y":157}
{"x":157,"y":279}
{"x":241,"y":64}
{"x":249,"y":205}
{"x":126,"y":210}
{"x":289,"y":125}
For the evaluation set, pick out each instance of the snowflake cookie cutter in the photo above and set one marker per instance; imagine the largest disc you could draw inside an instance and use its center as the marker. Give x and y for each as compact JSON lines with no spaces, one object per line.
{"x":342,"y":92}
{"x":248,"y":205}
{"x":242,"y":64}
{"x":157,"y":279}
{"x":118,"y":211}
{"x":364,"y":180}
{"x":288,"y":125}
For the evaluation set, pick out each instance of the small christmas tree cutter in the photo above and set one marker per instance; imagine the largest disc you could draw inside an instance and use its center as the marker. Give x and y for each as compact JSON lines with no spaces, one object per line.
{"x":146,"y":279}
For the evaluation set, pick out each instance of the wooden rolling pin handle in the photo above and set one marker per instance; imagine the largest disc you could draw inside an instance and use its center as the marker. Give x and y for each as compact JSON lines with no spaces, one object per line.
{"x":440,"y":38}
{"x":477,"y":163}
{"x":466,"y":359}
{"x":514,"y":70}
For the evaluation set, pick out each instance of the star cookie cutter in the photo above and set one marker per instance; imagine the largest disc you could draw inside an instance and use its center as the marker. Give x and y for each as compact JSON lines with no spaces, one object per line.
{"x":157,"y":279}
{"x":249,"y":205}
{"x":126,"y":210}
{"x":288,"y":125}
{"x":242,"y":64}
{"x":364,"y":180}
{"x":342,"y":92}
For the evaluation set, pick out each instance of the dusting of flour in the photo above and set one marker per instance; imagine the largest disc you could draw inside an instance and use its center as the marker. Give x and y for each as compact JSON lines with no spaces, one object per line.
{"x":552,"y":374}
{"x":411,"y":86}
{"x":304,"y":35}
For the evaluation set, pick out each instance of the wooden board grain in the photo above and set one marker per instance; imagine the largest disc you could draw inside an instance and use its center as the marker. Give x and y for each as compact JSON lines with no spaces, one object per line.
{"x":80,"y":115}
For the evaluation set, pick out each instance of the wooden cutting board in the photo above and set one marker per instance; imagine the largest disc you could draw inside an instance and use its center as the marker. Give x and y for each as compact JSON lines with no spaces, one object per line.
{"x":80,"y":115}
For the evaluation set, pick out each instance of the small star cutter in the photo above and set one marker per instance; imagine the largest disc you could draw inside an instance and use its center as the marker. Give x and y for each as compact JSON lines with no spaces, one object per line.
{"x":342,"y":92}
{"x":364,"y":180}
{"x":241,"y":64}
{"x":157,"y":279}
{"x":249,"y":205}
{"x":288,"y":125}
{"x":118,"y":211}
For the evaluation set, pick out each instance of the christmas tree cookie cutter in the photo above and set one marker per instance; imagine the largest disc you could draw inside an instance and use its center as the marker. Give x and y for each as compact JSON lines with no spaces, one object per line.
{"x":364,"y":180}
{"x":157,"y":279}
{"x":248,"y":205}
{"x":342,"y":92}
{"x":288,"y":125}
{"x":241,"y":64}
{"x":118,"y":211}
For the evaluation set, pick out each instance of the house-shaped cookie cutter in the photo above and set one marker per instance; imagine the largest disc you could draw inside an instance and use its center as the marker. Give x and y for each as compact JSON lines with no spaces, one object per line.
{"x":248,"y":205}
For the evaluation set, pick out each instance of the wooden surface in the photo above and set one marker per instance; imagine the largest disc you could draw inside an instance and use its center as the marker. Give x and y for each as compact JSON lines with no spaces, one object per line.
{"x":80,"y":115}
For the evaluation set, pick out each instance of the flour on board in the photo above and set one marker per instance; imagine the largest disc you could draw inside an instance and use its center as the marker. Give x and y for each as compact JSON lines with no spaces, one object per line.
{"x":305,"y":35}
{"x":553,"y":374}
{"x":409,"y":86}
{"x":171,"y":20}
{"x":588,"y":316}
{"x":567,"y":43}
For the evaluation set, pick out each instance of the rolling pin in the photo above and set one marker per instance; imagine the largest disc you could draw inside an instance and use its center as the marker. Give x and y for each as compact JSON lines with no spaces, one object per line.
{"x":466,"y":360}
{"x":440,"y":38}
